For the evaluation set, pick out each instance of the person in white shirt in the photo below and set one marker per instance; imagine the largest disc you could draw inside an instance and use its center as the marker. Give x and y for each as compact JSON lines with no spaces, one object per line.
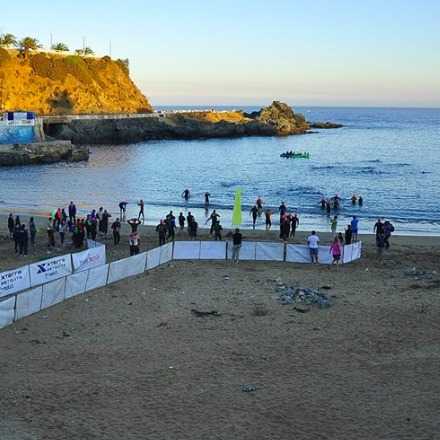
{"x":313,"y":243}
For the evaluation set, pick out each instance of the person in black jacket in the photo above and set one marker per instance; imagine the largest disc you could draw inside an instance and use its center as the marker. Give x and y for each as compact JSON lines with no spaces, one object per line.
{"x":11,"y":226}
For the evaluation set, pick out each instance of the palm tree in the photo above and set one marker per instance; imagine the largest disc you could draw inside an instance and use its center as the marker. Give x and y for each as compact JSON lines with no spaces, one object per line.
{"x":8,"y":40}
{"x":60,"y":47}
{"x":27,"y":44}
{"x":88,"y":51}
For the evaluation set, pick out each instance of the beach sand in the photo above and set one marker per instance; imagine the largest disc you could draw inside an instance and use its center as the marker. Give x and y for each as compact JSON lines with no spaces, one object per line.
{"x":131,"y":361}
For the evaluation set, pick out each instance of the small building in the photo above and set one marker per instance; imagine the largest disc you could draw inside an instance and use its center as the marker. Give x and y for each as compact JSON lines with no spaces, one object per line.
{"x":17,"y":127}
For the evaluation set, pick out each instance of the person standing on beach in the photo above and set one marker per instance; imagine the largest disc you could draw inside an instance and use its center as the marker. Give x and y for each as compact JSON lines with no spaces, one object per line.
{"x":336,"y":251}
{"x":268,"y":214}
{"x":133,"y":241}
{"x":189,"y":220}
{"x":354,"y":227}
{"x":50,"y":234}
{"x":334,"y":225}
{"x":254,"y":214}
{"x":282,"y":210}
{"x":122,"y":210}
{"x":313,"y":243}
{"x":161,"y":229}
{"x":11,"y":226}
{"x":181,"y":221}
{"x":294,"y":220}
{"x":32,"y":231}
{"x":378,"y":227}
{"x":62,"y":227}
{"x":214,"y":217}
{"x":141,"y":210}
{"x":348,"y":234}
{"x":134,"y":223}
{"x":236,"y":245}
{"x":116,"y":228}
{"x":192,"y":229}
{"x":72,"y":212}
{"x":170,"y":222}
{"x":103,"y":225}
{"x":388,"y":228}
{"x":285,"y":228}
{"x":23,"y":240}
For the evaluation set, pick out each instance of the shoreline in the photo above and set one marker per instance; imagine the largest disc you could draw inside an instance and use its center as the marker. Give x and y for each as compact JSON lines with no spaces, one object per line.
{"x":312,"y":221}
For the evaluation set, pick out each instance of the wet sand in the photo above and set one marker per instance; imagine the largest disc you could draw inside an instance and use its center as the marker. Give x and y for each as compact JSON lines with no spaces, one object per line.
{"x":131,"y":361}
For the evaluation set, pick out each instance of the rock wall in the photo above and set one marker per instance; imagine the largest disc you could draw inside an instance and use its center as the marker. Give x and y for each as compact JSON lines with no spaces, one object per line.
{"x":194,"y":125}
{"x":41,"y":153}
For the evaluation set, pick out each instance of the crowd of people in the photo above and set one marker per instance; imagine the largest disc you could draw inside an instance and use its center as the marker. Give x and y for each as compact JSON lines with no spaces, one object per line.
{"x":96,"y":225}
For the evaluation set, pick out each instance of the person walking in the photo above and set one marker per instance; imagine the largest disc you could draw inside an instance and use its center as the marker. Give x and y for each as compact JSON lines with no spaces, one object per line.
{"x":50,"y":233}
{"x":186,"y":195}
{"x":313,"y":243}
{"x":214,"y":218}
{"x":103,"y":224}
{"x":32,"y":231}
{"x":116,"y":228}
{"x":218,"y":231}
{"x":294,"y":220}
{"x":388,"y":228}
{"x":141,"y":210}
{"x":348,"y":234}
{"x":62,"y":228}
{"x":237,"y":239}
{"x":181,"y":221}
{"x":380,"y":244}
{"x":162,"y":230}
{"x":334,"y":225}
{"x":268,"y":214}
{"x":254,"y":214}
{"x":11,"y":226}
{"x":193,"y":227}
{"x":23,"y":239}
{"x":336,"y":251}
{"x":122,"y":210}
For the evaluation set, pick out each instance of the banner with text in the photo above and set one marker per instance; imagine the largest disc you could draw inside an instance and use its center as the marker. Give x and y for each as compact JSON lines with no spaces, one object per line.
{"x":89,"y":258}
{"x":49,"y":270}
{"x":14,"y":281}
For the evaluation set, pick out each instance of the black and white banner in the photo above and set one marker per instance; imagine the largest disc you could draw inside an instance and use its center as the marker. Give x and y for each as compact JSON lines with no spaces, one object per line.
{"x":49,"y":270}
{"x":14,"y":281}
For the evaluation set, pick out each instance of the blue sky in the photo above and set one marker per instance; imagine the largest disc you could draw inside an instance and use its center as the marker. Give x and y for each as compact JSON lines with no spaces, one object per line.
{"x":318,"y":52}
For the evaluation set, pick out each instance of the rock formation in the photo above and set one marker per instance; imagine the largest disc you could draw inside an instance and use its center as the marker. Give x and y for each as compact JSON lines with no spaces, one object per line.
{"x":42,"y":152}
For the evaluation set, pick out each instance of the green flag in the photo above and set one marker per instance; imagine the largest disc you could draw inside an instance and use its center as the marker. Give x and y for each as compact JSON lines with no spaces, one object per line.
{"x":236,"y":213}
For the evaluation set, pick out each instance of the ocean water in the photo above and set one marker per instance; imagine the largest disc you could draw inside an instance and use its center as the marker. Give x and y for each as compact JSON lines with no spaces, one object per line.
{"x":389,"y":156}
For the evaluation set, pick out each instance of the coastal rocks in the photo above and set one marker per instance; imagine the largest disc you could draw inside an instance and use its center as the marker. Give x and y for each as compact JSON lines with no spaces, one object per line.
{"x":41,"y":153}
{"x":283,"y":119}
{"x":325,"y":125}
{"x":276,"y":120}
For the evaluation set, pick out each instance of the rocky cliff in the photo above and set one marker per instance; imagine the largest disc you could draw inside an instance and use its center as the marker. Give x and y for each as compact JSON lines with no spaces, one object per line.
{"x":57,"y":84}
{"x":276,"y":120}
{"x":42,"y":152}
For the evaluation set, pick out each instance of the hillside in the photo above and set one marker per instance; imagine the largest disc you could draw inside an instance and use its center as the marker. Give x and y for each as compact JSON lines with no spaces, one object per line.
{"x":58,"y":84}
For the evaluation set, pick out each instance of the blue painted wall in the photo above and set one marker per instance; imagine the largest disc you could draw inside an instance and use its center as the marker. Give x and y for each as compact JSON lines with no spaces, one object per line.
{"x":17,"y":135}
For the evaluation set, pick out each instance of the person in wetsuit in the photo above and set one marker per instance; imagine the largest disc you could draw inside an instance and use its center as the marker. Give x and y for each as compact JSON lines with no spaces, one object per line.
{"x":254,"y":214}
{"x":141,"y":210}
{"x":207,"y":195}
{"x":186,"y":195}
{"x":268,"y":214}
{"x":181,"y":221}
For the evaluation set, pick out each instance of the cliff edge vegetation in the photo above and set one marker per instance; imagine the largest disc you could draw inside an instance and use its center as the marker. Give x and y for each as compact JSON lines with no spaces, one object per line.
{"x":52,"y":84}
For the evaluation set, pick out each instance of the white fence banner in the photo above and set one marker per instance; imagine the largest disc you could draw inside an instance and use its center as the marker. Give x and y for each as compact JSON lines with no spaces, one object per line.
{"x":357,"y":251}
{"x":269,"y":251}
{"x":127,"y":267}
{"x":76,"y":284}
{"x":7,"y":311}
{"x":53,"y":293}
{"x":28,"y":302}
{"x":49,"y":270}
{"x":14,"y":281}
{"x":297,"y":253}
{"x":247,"y":250}
{"x":89,"y":258}
{"x":186,"y":250}
{"x":348,"y":252}
{"x":166,"y":253}
{"x":213,"y":250}
{"x":97,"y":277}
{"x":153,"y":258}
{"x":324,"y":255}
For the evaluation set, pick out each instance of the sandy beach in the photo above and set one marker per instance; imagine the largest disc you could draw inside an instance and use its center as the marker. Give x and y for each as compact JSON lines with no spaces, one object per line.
{"x":132,"y":361}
